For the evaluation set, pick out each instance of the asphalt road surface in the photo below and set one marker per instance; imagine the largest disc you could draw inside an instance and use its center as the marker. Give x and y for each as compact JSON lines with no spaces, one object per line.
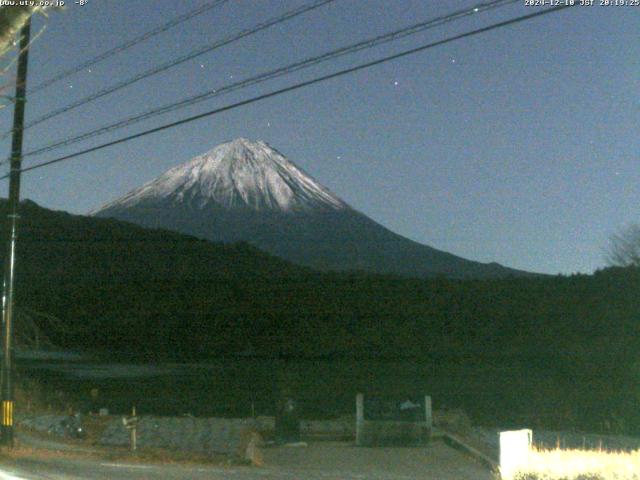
{"x":318,"y":461}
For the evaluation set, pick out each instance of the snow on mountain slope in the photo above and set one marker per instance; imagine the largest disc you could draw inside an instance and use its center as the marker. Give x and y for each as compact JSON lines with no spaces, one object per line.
{"x":236,"y":175}
{"x":247,"y":191}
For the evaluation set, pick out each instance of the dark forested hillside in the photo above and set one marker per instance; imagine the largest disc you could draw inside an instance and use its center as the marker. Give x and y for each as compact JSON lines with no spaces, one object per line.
{"x":157,"y":294}
{"x":169,"y":292}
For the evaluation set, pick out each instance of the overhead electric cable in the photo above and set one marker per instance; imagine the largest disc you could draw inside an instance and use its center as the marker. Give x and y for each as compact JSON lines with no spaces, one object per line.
{"x":298,"y":86}
{"x":172,"y":63}
{"x":131,"y":43}
{"x":269,"y":75}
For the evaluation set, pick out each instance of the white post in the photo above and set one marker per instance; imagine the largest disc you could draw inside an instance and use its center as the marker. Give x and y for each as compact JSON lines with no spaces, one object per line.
{"x":427,"y":412}
{"x":514,"y":451}
{"x":359,"y":417}
{"x":134,"y":434}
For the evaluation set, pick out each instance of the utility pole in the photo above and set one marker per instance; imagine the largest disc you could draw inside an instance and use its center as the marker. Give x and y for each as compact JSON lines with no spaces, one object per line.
{"x":6,"y":388}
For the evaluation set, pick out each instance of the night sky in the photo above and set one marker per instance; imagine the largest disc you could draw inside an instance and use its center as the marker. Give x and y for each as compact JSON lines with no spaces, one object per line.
{"x":519,"y":146}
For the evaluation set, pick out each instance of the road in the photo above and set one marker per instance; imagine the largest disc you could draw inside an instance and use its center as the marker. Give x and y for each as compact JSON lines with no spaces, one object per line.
{"x":318,"y":461}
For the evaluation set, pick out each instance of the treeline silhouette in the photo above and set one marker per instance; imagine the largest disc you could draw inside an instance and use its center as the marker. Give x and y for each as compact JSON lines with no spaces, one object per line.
{"x":558,"y":351}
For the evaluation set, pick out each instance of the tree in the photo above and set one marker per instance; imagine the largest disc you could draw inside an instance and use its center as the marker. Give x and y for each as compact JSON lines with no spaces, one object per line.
{"x":624,"y":247}
{"x":12,"y":19}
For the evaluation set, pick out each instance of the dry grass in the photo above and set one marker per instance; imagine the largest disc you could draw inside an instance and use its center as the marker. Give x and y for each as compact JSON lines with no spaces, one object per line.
{"x":23,"y":451}
{"x":561,"y":464}
{"x":94,"y":426}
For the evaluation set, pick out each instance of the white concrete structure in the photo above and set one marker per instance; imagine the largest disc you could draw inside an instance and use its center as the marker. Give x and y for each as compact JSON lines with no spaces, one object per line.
{"x":515,"y":447}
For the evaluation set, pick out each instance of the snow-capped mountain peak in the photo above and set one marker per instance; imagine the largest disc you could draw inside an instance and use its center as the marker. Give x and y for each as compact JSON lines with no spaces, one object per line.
{"x":239,"y":174}
{"x":247,"y":191}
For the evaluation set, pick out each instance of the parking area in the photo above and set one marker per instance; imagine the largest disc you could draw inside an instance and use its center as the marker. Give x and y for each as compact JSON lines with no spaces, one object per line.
{"x":343,"y":460}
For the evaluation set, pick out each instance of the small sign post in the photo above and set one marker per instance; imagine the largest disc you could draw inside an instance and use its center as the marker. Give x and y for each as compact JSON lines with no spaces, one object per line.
{"x":131,"y":424}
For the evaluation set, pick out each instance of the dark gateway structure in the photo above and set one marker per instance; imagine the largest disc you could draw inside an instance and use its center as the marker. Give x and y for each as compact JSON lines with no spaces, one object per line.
{"x":247,"y":191}
{"x":399,"y":420}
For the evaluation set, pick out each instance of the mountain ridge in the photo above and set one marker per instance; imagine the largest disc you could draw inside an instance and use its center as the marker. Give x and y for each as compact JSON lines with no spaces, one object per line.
{"x":248,"y":191}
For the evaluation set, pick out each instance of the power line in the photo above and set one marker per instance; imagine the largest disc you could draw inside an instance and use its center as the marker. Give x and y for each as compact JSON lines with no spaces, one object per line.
{"x":131,"y":43}
{"x":166,"y":66}
{"x":269,"y":75}
{"x":297,"y":86}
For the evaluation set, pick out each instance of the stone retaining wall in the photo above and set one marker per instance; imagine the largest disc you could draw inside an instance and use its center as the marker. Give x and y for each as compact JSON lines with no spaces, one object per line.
{"x":44,"y":423}
{"x":199,"y":435}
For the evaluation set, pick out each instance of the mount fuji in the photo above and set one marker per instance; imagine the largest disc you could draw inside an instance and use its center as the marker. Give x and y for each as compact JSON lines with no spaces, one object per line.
{"x":248,"y":191}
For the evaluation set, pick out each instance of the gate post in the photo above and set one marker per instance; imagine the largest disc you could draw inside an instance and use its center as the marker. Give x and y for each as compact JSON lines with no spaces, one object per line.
{"x":359,"y":417}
